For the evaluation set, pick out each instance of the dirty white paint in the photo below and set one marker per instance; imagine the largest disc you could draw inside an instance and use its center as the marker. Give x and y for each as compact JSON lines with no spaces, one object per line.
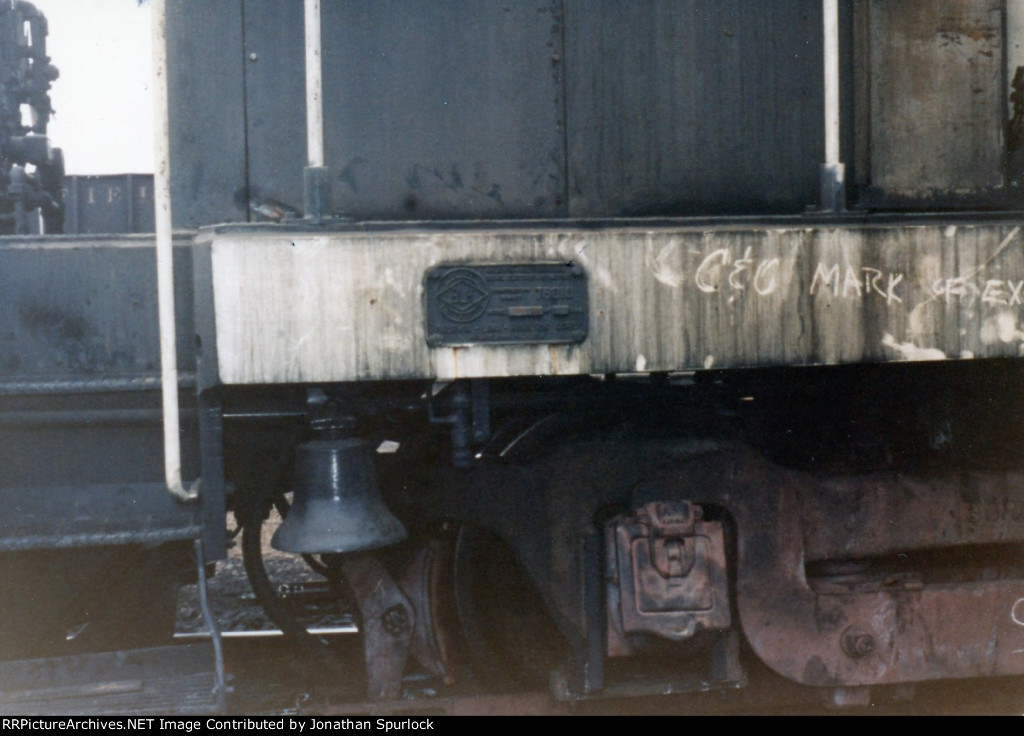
{"x":909,"y":351}
{"x":664,"y":271}
{"x":343,"y":306}
{"x":1001,"y":327}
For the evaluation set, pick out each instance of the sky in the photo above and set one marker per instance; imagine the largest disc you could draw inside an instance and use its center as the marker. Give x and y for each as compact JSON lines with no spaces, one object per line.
{"x":103,"y":107}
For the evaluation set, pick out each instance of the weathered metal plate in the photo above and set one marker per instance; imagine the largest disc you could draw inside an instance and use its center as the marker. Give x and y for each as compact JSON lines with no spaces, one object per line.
{"x":523,"y":304}
{"x":513,"y":110}
{"x":80,"y":334}
{"x":678,"y":108}
{"x":935,"y":94}
{"x":206,"y":74}
{"x":301,"y":307}
{"x":446,"y":110}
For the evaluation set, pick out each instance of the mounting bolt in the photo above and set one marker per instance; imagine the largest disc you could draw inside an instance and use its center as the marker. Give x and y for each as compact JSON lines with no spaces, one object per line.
{"x":395,"y":620}
{"x":857,"y":643}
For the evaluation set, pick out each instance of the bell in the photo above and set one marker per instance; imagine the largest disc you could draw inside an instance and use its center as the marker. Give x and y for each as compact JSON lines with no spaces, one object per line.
{"x":337,"y":507}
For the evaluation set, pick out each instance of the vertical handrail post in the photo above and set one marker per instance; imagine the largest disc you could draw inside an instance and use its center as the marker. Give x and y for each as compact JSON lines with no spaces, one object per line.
{"x":165,"y":261}
{"x":833,"y":172}
{"x":316,"y":180}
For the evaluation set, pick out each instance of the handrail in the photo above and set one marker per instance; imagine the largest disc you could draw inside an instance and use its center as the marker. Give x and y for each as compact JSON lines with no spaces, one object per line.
{"x":314,"y":86}
{"x":833,"y":172}
{"x":316,"y":178}
{"x":165,"y":262}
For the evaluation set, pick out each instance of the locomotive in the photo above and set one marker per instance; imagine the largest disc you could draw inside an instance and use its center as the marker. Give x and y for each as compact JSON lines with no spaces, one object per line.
{"x":598,"y":348}
{"x":33,"y":171}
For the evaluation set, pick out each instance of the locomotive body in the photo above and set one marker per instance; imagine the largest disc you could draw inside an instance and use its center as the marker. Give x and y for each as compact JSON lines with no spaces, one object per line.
{"x":605,"y":368}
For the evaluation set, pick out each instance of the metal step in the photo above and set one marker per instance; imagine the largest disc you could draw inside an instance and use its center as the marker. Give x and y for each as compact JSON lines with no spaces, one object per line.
{"x":172,"y":680}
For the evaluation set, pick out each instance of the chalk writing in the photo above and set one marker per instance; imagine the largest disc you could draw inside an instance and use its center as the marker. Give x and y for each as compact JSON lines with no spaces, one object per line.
{"x":992,"y":291}
{"x":719,"y":270}
{"x":1016,"y":610}
{"x":723,"y":271}
{"x":854,"y":283}
{"x":1017,"y":616}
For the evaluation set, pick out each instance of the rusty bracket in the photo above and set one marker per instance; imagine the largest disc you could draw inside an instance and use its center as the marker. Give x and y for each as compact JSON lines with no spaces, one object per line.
{"x":666,"y":574}
{"x":387,"y":624}
{"x":843,"y":638}
{"x":427,"y":584}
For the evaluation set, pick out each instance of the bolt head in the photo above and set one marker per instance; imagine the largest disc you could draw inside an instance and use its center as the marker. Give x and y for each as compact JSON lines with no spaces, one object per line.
{"x":395,"y":620}
{"x":857,"y":643}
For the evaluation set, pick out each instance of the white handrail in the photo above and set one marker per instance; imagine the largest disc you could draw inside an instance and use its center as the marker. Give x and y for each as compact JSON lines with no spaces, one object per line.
{"x":314,"y":86}
{"x":833,"y":172}
{"x":831,"y":32}
{"x":165,"y":261}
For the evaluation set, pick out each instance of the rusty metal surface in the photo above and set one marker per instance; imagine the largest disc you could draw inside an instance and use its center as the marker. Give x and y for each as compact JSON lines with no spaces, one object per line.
{"x":427,"y":583}
{"x":864,"y":633}
{"x":667,"y":575}
{"x":387,"y":620}
{"x":884,"y":514}
{"x":587,"y":108}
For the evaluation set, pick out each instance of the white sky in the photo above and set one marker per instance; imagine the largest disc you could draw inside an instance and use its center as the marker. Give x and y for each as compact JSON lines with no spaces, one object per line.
{"x":104,"y":110}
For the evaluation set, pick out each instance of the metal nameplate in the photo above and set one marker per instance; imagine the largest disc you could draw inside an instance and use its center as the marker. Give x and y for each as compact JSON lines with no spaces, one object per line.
{"x":524,"y":304}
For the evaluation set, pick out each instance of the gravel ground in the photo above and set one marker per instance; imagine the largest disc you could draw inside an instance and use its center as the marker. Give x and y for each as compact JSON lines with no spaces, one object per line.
{"x":233,"y":602}
{"x":267,"y":674}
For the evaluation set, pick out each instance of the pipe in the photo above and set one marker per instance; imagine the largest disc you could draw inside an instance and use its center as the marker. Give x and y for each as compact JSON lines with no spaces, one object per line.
{"x":78,"y":385}
{"x":316,"y":179}
{"x":165,"y":261}
{"x":833,"y":174}
{"x":220,"y":689}
{"x":831,"y":30}
{"x":314,"y":87}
